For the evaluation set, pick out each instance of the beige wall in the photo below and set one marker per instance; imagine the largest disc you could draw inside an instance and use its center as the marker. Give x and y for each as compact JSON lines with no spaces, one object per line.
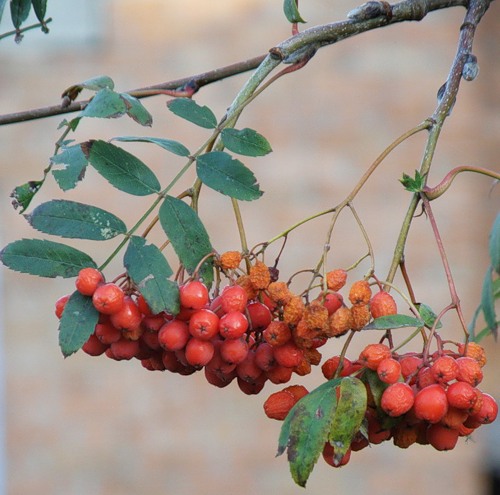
{"x":93,"y":426}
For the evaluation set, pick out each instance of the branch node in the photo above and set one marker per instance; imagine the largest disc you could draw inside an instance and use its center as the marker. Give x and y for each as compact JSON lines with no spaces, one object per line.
{"x":371,"y":10}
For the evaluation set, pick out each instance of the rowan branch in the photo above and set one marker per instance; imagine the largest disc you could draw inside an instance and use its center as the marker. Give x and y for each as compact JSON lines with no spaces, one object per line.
{"x":371,"y":15}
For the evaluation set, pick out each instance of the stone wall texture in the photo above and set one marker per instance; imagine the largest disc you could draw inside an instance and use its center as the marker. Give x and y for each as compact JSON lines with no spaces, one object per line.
{"x":82,"y":425}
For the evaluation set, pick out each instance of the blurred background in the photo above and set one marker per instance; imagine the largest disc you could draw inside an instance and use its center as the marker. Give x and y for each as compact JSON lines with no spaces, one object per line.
{"x":85,"y":425}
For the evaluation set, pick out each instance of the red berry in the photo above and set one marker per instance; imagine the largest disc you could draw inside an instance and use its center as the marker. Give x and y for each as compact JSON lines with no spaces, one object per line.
{"x":233,"y":325}
{"x":88,"y":280}
{"x":382,"y":304}
{"x":108,"y":298}
{"x":331,"y":301}
{"x":264,"y":357}
{"x":233,"y":298}
{"x":469,"y":370}
{"x":107,"y":333}
{"x":461,"y":395}
{"x":234,"y":351}
{"x":199,"y":352}
{"x":93,"y":346}
{"x":488,"y":412}
{"x":128,"y":319}
{"x":442,"y":437}
{"x":60,"y":305}
{"x":333,"y":460}
{"x":397,"y":399}
{"x":124,"y":349}
{"x":259,"y":316}
{"x":248,"y":370}
{"x":174,"y":335}
{"x":204,"y":324}
{"x":193,"y":295}
{"x":389,"y":370}
{"x":444,"y":369}
{"x":431,"y":403}
{"x":288,"y":355}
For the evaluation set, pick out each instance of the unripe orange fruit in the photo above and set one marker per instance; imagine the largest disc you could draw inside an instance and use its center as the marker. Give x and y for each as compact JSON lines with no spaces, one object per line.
{"x":382,"y":304}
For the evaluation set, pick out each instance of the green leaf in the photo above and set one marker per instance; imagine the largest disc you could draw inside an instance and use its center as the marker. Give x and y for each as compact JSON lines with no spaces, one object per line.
{"x":122,"y":169}
{"x":77,"y":323}
{"x":105,"y":104}
{"x":188,"y":236}
{"x":377,"y":387}
{"x":229,"y":176}
{"x":2,"y":7}
{"x":40,"y":7}
{"x":305,"y":430}
{"x":245,"y":142}
{"x":23,"y":194}
{"x":19,"y":11}
{"x":428,"y":315}
{"x":167,"y":144}
{"x":414,"y":185}
{"x":488,"y":303}
{"x":149,"y":270}
{"x":136,"y":110}
{"x":394,"y":321}
{"x":291,"y":11}
{"x":349,"y":414}
{"x":94,"y":84}
{"x":44,"y":258}
{"x":190,"y":110}
{"x":76,"y":165}
{"x":494,"y":245}
{"x":75,"y":220}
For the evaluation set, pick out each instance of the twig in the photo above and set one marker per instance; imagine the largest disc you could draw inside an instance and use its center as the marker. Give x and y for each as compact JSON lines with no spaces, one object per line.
{"x":18,"y":32}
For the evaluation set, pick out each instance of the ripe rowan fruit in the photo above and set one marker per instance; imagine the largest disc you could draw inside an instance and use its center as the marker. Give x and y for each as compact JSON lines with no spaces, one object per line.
{"x":288,"y":355}
{"x":431,"y":403}
{"x":233,"y":325}
{"x":329,"y":456}
{"x":361,"y":316}
{"x":298,"y":391}
{"x":193,"y":295}
{"x":199,"y":352}
{"x":331,"y":301}
{"x":278,"y":405}
{"x":233,"y":351}
{"x":330,"y":366}
{"x":382,"y":304}
{"x":360,"y":292}
{"x":409,"y":367}
{"x":248,"y":370}
{"x":404,"y":435}
{"x":174,"y":335}
{"x":441,"y":437}
{"x":397,"y":399}
{"x":488,"y":411}
{"x":251,"y":388}
{"x":60,"y":305}
{"x":93,"y":346}
{"x":264,"y":357}
{"x":143,"y":306}
{"x":108,"y":298}
{"x":389,"y":370}
{"x":233,"y":298}
{"x":128,"y":319}
{"x":124,"y":349}
{"x":258,"y":315}
{"x":469,"y":371}
{"x":88,"y":280}
{"x":230,"y":260}
{"x":246,"y":284}
{"x":376,"y":433}
{"x":473,"y":350}
{"x":461,"y":395}
{"x":204,"y":324}
{"x":277,"y":333}
{"x":279,"y":374}
{"x":444,"y":369}
{"x":107,"y":333}
{"x":259,"y":275}
{"x":339,"y":322}
{"x":454,"y":417}
{"x":373,"y":354}
{"x":336,"y":279}
{"x":425,"y":377}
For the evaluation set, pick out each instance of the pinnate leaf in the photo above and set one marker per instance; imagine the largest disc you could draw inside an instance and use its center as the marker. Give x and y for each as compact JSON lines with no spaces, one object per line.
{"x":394,"y":321}
{"x":136,"y":110}
{"x":488,"y":302}
{"x":494,"y":245}
{"x":229,"y":176}
{"x":349,"y":414}
{"x":190,"y":110}
{"x":19,"y":11}
{"x":23,"y":194}
{"x":75,"y":220}
{"x":77,"y":323}
{"x":105,"y":104}
{"x":40,"y":7}
{"x":122,"y":169}
{"x":245,"y":142}
{"x":44,"y":258}
{"x":188,"y":236}
{"x":167,"y":144}
{"x":306,"y":429}
{"x":291,"y":11}
{"x":94,"y":84}
{"x":428,"y":315}
{"x":75,"y":166}
{"x":149,"y":270}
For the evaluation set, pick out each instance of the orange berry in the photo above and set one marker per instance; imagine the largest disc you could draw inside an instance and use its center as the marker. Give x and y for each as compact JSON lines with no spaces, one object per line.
{"x":444,"y":369}
{"x":389,"y":370}
{"x":298,"y":391}
{"x":279,"y":293}
{"x":454,"y":417}
{"x":425,"y":377}
{"x":360,"y":292}
{"x":397,"y":399}
{"x":330,"y":366}
{"x":373,"y":354}
{"x":336,"y":279}
{"x":361,"y":316}
{"x":469,"y":371}
{"x":293,"y":310}
{"x":431,"y":403}
{"x":277,"y":333}
{"x":409,"y":366}
{"x":441,"y":437}
{"x":230,"y":260}
{"x":108,"y":299}
{"x":259,"y":275}
{"x":473,"y":350}
{"x":245,"y":282}
{"x":339,"y":322}
{"x":382,"y":304}
{"x":88,"y":280}
{"x":315,"y":316}
{"x":488,"y":412}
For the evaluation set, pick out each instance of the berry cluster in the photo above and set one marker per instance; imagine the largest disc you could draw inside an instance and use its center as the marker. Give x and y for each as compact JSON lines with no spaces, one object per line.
{"x":411,"y":399}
